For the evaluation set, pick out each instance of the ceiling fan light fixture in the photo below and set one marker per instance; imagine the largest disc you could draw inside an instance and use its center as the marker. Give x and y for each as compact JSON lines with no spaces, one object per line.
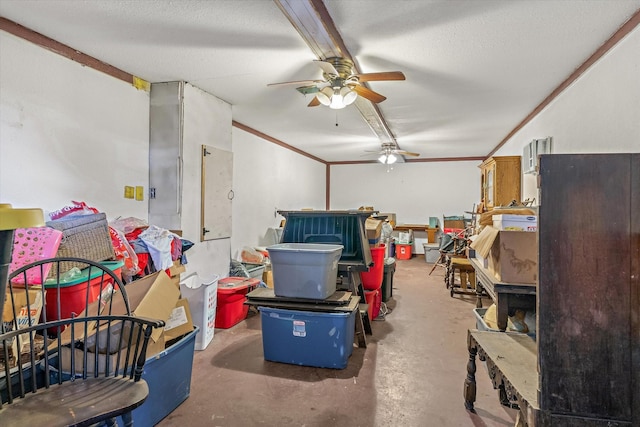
{"x":348,"y":95}
{"x":387,"y":158}
{"x":324,"y":96}
{"x":337,"y":101}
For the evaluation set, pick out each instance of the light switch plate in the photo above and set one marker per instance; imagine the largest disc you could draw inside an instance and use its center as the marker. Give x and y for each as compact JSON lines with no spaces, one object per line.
{"x":128,"y":192}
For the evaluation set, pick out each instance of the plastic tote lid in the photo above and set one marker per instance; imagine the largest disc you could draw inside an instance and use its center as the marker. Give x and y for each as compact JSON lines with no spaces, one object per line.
{"x":193,"y":281}
{"x":232,"y":284}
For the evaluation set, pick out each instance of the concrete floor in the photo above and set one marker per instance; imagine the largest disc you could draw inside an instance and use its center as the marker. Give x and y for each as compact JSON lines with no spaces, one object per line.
{"x":411,"y":373}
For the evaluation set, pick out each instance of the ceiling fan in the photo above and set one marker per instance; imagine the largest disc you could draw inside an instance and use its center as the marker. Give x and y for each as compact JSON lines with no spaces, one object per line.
{"x":341,"y":86}
{"x":389,"y":153}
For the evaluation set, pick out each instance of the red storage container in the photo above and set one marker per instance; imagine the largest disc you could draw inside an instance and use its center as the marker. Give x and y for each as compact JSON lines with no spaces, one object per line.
{"x":403,"y":251}
{"x":374,"y":300}
{"x":232,"y":293}
{"x":73,"y":293}
{"x":372,"y":279}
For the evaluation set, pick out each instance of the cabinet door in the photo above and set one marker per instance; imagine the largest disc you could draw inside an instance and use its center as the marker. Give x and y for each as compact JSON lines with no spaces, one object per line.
{"x":586,"y":301}
{"x":490,"y":184}
{"x":217,"y":193}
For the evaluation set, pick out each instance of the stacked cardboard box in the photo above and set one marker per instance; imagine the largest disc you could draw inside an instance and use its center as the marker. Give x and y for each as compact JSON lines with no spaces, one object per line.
{"x":512,"y":256}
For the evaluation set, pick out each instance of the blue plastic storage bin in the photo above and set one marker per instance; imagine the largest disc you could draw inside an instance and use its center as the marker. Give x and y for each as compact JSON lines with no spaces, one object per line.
{"x":168,"y":375}
{"x":319,"y":339}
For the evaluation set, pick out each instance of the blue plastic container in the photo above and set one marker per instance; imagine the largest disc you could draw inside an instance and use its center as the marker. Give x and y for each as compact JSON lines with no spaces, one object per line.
{"x":168,"y":375}
{"x":319,"y":339}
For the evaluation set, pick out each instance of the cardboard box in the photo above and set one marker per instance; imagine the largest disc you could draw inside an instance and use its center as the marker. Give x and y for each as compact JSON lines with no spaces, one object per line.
{"x":267,"y":277}
{"x":154,"y":297}
{"x":373,"y":227}
{"x":174,"y":272}
{"x":21,"y":344}
{"x":515,"y":222}
{"x":180,"y":322}
{"x":405,"y":237}
{"x":512,"y":256}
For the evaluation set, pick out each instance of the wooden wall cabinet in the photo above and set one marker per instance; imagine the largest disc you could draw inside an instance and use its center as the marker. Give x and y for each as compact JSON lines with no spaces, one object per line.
{"x":589,"y":290}
{"x":500,"y":181}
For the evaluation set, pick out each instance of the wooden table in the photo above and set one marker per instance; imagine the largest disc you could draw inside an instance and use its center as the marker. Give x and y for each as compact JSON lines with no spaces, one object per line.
{"x":506,"y":296}
{"x":512,"y":364}
{"x":414,"y":227}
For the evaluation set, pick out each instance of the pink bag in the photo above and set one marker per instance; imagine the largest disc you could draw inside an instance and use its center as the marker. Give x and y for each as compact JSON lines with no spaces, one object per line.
{"x":31,"y":245}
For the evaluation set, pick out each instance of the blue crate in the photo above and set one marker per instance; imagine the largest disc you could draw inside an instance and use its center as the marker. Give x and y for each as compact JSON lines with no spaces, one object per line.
{"x":168,"y":375}
{"x":319,"y":339}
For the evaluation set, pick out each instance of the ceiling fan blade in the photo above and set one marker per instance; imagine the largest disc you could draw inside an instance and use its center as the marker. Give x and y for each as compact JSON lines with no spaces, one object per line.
{"x":368,"y":94}
{"x":376,"y":77}
{"x":298,"y":82}
{"x":314,"y":102}
{"x":306,"y":90}
{"x":327,"y":67}
{"x":407,"y":153}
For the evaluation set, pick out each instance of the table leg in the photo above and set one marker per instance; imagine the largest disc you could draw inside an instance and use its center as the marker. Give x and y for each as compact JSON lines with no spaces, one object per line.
{"x":479,"y":291}
{"x":470,"y":381}
{"x":502,"y":311}
{"x":360,"y":336}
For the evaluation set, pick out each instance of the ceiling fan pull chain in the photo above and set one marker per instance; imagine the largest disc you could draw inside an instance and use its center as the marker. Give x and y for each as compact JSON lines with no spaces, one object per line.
{"x":336,"y":118}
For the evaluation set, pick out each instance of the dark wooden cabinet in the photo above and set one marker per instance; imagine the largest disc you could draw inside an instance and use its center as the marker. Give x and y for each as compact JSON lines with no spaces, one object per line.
{"x":589,"y":290}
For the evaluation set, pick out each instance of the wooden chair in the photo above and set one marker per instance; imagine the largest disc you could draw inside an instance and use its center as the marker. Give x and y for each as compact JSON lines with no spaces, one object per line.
{"x":71,"y":352}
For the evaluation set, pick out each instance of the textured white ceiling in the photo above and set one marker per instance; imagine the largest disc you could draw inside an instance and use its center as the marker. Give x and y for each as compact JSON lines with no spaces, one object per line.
{"x":474,"y":68}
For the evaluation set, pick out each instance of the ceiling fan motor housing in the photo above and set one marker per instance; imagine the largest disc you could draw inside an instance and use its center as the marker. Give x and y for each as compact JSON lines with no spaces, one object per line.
{"x":343,"y":66}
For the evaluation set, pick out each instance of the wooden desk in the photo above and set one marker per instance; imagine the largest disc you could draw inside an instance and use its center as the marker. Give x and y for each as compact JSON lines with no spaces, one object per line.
{"x":506,"y":296}
{"x":512,"y":364}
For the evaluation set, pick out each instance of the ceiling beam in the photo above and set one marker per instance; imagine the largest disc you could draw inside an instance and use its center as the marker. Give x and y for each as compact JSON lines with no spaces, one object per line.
{"x":312,"y":20}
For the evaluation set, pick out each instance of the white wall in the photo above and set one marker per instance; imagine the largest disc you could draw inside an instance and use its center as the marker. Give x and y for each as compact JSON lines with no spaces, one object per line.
{"x":68,"y":132}
{"x":207,"y":120}
{"x":266,"y":178}
{"x":598,"y":113}
{"x":414,"y":191}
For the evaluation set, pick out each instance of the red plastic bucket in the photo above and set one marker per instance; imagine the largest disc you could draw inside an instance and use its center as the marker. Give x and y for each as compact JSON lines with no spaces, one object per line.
{"x":372,"y":279}
{"x":374,"y":300}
